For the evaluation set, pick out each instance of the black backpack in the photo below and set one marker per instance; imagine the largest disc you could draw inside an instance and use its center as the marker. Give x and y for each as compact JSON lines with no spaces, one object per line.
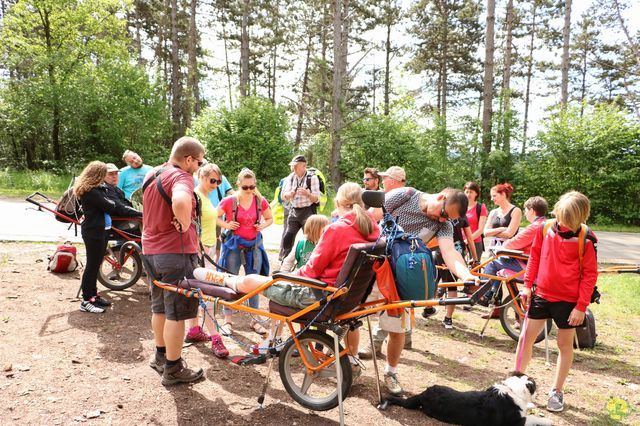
{"x":586,"y":333}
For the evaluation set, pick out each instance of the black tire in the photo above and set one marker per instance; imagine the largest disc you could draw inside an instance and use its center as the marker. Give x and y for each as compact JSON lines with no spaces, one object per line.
{"x":127,"y":275}
{"x":294,"y":375}
{"x":509,"y":316}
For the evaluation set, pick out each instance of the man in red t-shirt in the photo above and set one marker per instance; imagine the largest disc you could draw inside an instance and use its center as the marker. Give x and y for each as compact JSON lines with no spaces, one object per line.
{"x":170,"y":245}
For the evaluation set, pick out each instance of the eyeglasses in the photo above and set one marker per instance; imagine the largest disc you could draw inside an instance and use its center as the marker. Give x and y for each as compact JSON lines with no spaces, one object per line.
{"x":200,"y":162}
{"x":212,"y":181}
{"x":443,"y":212}
{"x":248,"y":187}
{"x":367,"y":179}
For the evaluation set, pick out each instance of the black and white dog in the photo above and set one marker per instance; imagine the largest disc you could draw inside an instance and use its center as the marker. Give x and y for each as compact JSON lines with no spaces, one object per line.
{"x":503,"y":403}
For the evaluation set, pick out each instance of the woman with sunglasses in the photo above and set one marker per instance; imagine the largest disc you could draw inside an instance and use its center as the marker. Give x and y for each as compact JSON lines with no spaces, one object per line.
{"x":208,"y":181}
{"x":246,"y":214}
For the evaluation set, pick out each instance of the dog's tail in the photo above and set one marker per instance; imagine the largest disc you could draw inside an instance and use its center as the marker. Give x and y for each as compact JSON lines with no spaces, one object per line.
{"x":412,"y":403}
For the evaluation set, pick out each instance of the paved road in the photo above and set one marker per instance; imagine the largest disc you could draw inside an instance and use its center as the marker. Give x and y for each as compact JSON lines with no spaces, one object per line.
{"x":20,"y":221}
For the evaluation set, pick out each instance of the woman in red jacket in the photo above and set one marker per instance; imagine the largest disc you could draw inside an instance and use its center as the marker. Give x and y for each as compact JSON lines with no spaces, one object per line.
{"x":564,"y":286}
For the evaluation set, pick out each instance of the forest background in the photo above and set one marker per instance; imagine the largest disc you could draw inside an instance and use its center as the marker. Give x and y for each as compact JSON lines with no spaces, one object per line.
{"x":543,"y":94}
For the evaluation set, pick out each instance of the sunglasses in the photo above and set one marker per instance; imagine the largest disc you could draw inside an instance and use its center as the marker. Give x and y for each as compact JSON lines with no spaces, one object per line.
{"x":212,"y":181}
{"x":200,"y":162}
{"x":248,"y":187}
{"x":443,"y":212}
{"x":367,"y":179}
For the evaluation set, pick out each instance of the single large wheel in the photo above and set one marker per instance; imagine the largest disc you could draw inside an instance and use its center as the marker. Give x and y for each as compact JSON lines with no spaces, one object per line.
{"x":316,"y":391}
{"x":120,"y":269}
{"x":511,"y":321}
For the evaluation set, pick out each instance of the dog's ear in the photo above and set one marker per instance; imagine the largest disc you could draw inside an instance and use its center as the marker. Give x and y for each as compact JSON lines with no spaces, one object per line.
{"x":515,"y":374}
{"x":531,"y":385}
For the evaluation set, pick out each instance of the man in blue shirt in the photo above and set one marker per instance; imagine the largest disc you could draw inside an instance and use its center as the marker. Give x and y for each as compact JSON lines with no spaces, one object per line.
{"x":131,"y":177}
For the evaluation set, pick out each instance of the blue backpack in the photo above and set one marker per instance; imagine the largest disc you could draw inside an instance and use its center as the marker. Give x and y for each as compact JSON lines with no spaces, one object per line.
{"x":413,"y":267}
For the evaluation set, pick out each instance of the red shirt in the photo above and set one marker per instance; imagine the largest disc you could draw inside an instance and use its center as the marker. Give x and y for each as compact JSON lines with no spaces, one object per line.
{"x":555,"y":268}
{"x":330,"y":253}
{"x":523,"y":240}
{"x":159,"y":236}
{"x":246,"y":217}
{"x":474,"y":220}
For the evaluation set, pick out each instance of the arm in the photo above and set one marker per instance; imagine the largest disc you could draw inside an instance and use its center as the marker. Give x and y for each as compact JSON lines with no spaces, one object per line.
{"x":470,"y":243}
{"x":482,"y":221}
{"x":376,"y":213}
{"x":513,"y":225}
{"x":523,"y":240}
{"x":589,"y":276}
{"x":289,"y":262}
{"x":181,"y":207}
{"x":488,"y":230}
{"x":454,"y":260}
{"x":534,"y":260}
{"x":267,"y":216}
{"x":227,"y":210}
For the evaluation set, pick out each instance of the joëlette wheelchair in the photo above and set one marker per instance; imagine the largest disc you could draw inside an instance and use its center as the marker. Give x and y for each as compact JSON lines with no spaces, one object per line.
{"x":307,"y":359}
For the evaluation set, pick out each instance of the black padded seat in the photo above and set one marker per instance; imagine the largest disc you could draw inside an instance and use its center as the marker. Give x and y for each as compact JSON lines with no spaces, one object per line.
{"x":210,"y":290}
{"x":508,"y":252}
{"x":358,"y":275}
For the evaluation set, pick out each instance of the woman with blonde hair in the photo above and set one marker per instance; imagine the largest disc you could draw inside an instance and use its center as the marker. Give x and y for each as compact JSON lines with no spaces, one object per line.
{"x":97,"y":209}
{"x":246,"y":214}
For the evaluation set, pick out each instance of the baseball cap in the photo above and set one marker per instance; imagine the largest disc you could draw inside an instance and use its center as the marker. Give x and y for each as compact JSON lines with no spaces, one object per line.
{"x":111,"y":168}
{"x":298,"y":159}
{"x":395,"y":172}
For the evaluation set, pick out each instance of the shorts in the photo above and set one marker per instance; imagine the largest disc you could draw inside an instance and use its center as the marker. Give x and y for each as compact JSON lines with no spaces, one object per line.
{"x":393,"y":324}
{"x":293,"y":295}
{"x":171,"y":268}
{"x":559,"y":311}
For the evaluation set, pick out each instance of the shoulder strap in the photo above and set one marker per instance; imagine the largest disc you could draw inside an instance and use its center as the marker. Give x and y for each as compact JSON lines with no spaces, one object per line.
{"x":582,"y":240}
{"x":258,"y":208}
{"x":219,"y":193}
{"x":159,"y":186}
{"x":478,"y":210}
{"x":547,"y":224}
{"x":234,"y":208}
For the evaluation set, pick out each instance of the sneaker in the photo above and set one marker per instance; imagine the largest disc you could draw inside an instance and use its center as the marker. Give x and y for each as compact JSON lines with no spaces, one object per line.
{"x":196,"y":334}
{"x":366,"y":353}
{"x":226,"y":329}
{"x":218,"y":348}
{"x":486,"y":298}
{"x":428,"y":311}
{"x":407,"y":343}
{"x":157,"y":361}
{"x":392,"y":383}
{"x":87,"y":306}
{"x":448,"y":323}
{"x":101,"y":302}
{"x":556,"y":401}
{"x":180,"y":373}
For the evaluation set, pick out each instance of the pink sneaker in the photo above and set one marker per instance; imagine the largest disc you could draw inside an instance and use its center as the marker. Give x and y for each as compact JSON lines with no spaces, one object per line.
{"x":196,"y":334}
{"x":218,"y":347}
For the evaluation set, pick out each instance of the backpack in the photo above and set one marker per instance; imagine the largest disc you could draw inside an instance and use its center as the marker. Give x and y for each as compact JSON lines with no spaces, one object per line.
{"x":586,"y":333}
{"x":63,"y":259}
{"x":413,"y":268}
{"x":322,"y":181}
{"x":69,"y":206}
{"x":582,"y":241}
{"x":234,"y":214}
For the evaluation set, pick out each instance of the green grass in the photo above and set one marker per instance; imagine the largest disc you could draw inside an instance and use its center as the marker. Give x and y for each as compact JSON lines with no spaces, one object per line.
{"x":22,"y":183}
{"x":606,"y":228}
{"x":620,"y":297}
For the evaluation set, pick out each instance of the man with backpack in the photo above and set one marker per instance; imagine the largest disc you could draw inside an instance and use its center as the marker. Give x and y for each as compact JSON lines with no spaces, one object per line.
{"x":301,"y":189}
{"x":170,"y":247}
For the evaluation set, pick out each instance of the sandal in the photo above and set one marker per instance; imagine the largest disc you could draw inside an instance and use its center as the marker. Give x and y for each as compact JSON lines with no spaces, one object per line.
{"x":258,"y":328}
{"x":227,"y":328}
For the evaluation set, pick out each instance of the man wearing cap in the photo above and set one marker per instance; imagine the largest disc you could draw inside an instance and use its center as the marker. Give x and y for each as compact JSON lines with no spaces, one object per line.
{"x":131,"y":177}
{"x":114,"y":193}
{"x":302,"y":191}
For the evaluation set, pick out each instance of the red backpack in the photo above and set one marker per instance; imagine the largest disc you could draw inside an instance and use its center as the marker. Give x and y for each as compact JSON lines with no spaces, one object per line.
{"x":63,"y":259}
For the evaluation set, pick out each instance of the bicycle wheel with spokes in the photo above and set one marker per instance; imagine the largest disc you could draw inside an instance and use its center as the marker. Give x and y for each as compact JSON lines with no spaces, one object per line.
{"x":119,"y":271}
{"x":511,"y":321}
{"x":317,"y":391}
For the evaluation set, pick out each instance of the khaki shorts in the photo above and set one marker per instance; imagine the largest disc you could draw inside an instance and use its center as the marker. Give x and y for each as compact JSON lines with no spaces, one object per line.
{"x":293,"y":295}
{"x":395,"y":324}
{"x":171,"y":268}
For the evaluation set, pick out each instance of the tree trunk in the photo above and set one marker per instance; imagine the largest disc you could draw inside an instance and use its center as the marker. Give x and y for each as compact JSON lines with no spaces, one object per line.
{"x":387,"y":67}
{"x":305,"y":88}
{"x":273,"y":75}
{"x":226,"y":60}
{"x":566,"y":34}
{"x":244,"y":50}
{"x":55,"y":96}
{"x":506,"y":82}
{"x":527,"y":95}
{"x":583,"y":75}
{"x":193,"y":59}
{"x":176,"y":88}
{"x":487,"y":97}
{"x":139,"y":38}
{"x":340,"y":49}
{"x":374,"y":89}
{"x":324,"y":86}
{"x":632,"y":44}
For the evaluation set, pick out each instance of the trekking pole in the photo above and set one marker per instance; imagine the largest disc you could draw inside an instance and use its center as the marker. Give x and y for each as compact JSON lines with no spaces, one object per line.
{"x":546,"y":345}
{"x":375,"y":361}
{"x":274,"y":326}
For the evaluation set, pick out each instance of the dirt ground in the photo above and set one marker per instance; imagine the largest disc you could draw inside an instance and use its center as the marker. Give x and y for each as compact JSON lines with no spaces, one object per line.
{"x":62,"y":366}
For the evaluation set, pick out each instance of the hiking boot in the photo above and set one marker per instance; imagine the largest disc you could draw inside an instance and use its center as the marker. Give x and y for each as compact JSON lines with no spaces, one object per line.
{"x":101,"y":302}
{"x":157,"y":361}
{"x":366,"y":352}
{"x":218,"y":347}
{"x":448,"y":323}
{"x":428,"y":311}
{"x":556,"y":401}
{"x":196,"y":334}
{"x":87,"y":306}
{"x":180,"y":373}
{"x":392,"y":383}
{"x":407,"y":342}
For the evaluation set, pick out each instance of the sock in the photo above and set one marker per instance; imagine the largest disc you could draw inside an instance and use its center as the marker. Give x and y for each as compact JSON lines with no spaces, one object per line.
{"x":389,"y":369}
{"x":161,"y":350}
{"x":209,"y":275}
{"x":170,"y":364}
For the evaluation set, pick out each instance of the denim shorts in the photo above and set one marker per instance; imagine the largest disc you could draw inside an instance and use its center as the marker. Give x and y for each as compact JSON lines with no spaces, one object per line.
{"x":170,"y":269}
